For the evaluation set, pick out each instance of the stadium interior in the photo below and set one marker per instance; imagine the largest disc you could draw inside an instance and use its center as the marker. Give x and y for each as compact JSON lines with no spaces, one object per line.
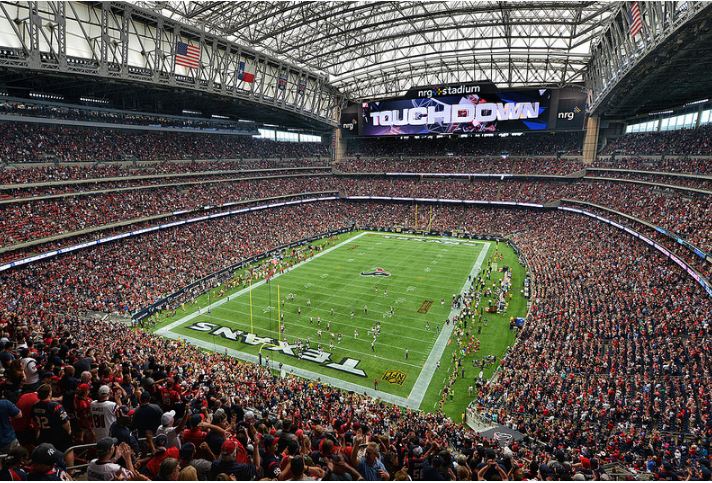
{"x":286,"y":240}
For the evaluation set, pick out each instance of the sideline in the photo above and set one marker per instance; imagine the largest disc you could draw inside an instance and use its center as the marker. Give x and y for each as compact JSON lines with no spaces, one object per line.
{"x":417,"y":393}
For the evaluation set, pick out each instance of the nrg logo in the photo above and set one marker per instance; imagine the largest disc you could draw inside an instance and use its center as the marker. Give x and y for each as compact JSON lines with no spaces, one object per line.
{"x":569,"y":115}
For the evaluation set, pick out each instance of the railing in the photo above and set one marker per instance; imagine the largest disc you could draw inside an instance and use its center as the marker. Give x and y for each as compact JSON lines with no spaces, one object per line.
{"x":75,"y":449}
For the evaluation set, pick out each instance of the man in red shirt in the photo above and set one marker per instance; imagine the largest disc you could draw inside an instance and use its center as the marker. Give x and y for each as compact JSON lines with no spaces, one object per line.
{"x":161,"y":453}
{"x":82,"y":409}
{"x":169,"y":395}
{"x":193,"y":433}
{"x":23,"y":425}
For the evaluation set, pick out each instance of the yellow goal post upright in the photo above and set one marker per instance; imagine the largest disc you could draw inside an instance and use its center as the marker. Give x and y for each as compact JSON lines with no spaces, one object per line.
{"x":279,"y":312}
{"x":251,"y":327}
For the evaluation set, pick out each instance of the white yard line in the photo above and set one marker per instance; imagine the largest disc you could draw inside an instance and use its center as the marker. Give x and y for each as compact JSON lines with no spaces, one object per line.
{"x":417,"y":393}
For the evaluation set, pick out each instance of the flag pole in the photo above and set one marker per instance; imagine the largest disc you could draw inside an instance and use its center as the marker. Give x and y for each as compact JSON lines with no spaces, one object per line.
{"x":251,"y":328}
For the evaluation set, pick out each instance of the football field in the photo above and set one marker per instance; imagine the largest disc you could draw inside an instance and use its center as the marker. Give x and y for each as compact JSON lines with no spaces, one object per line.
{"x":367,"y":314}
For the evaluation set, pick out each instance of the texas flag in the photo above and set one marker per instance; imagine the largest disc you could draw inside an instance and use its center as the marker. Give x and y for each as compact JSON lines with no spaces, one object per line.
{"x":242,"y":73}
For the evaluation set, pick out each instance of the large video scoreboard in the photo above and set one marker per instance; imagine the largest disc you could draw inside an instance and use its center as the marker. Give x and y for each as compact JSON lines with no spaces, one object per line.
{"x":469,"y":109}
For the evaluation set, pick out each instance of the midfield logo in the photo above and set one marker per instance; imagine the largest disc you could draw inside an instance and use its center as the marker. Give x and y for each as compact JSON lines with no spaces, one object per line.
{"x":376,"y":272}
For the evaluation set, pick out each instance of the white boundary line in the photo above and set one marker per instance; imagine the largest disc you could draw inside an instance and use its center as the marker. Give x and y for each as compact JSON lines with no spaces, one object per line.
{"x":417,"y":393}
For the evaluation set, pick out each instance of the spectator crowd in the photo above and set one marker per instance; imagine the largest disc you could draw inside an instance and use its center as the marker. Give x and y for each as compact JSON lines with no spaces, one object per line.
{"x":526,"y":144}
{"x":62,"y":143}
{"x":687,"y":214}
{"x":612,"y":366}
{"x":611,"y":371}
{"x":54,"y":173}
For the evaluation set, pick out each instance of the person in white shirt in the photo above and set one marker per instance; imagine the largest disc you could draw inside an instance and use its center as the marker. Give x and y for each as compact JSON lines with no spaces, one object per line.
{"x":29,"y":367}
{"x":103,"y":413}
{"x":104,"y":467}
{"x":172,"y":432}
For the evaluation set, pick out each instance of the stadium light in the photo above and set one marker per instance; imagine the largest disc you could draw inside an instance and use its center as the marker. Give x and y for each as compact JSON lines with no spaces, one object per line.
{"x":659,"y":113}
{"x":93,"y":100}
{"x":693,"y":103}
{"x":50,"y":97}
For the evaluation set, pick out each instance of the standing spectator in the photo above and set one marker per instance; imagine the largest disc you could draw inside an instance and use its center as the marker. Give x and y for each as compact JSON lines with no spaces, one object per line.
{"x":29,"y":368}
{"x":103,"y":413}
{"x":121,"y":429}
{"x":172,"y":432}
{"x":370,"y":465}
{"x":8,"y":438}
{"x":194,"y":432}
{"x":104,"y":466}
{"x":23,"y":424}
{"x":147,"y":417}
{"x":227,"y":463}
{"x":83,"y":417}
{"x":50,"y":420}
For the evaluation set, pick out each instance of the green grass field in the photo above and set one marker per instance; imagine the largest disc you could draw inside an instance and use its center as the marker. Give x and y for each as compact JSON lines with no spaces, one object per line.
{"x":336,"y":286}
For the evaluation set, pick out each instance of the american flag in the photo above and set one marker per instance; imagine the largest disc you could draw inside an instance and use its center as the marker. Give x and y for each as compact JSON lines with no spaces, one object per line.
{"x":187,"y":55}
{"x":635,"y":19}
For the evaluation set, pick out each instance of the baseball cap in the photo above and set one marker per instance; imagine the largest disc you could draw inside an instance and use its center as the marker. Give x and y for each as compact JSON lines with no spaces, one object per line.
{"x":47,"y":454}
{"x":83,"y":387}
{"x":104,"y":390}
{"x":167,"y":418}
{"x":229,"y":446}
{"x":104,"y":445}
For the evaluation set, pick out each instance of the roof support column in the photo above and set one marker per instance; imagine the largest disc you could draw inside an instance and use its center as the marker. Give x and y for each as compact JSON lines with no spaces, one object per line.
{"x":590,"y":141}
{"x":338,"y":146}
